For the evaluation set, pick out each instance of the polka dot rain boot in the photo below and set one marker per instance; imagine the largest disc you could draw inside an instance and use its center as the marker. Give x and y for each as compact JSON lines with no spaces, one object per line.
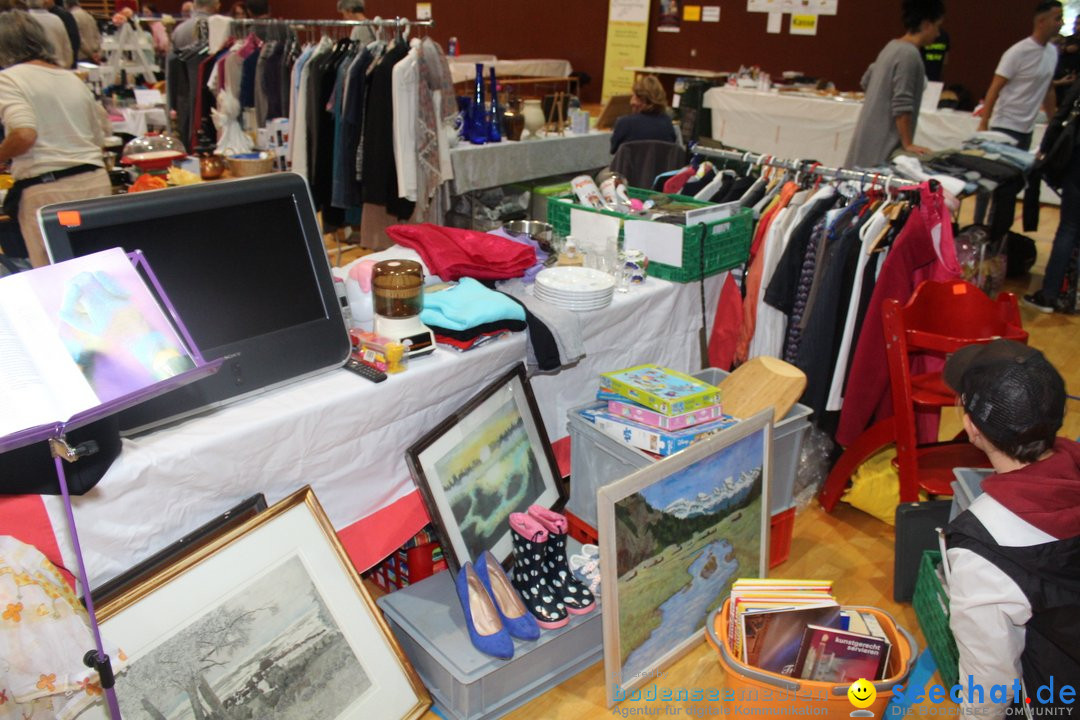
{"x":574,"y":594}
{"x":529,"y":577}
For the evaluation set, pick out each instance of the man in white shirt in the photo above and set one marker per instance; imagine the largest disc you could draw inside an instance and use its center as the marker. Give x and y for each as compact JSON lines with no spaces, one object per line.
{"x":1022,"y":80}
{"x":54,"y":31}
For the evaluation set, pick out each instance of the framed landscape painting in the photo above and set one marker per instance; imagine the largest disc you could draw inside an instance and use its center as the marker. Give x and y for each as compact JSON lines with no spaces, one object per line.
{"x":269,"y":620}
{"x":487,"y":460}
{"x":674,"y":536}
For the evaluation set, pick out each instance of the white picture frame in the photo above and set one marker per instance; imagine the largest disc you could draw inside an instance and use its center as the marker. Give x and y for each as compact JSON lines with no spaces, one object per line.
{"x":680,"y":531}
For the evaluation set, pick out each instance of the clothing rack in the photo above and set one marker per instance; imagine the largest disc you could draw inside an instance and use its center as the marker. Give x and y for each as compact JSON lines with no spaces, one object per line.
{"x":887,"y":181}
{"x":397,"y":22}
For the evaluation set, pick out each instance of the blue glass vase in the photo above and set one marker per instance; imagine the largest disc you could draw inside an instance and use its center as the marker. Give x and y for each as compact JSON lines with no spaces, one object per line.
{"x":478,"y":122}
{"x":495,"y":116}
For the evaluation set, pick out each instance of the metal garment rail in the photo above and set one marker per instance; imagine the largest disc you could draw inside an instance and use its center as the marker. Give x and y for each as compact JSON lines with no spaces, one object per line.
{"x":378,"y":22}
{"x":887,"y":181}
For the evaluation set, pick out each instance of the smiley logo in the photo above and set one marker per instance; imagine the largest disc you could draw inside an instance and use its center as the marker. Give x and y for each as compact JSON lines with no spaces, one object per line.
{"x":862,"y":693}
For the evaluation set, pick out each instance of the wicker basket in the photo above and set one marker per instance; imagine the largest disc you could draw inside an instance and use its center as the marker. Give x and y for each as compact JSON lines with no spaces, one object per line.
{"x":246,"y":167}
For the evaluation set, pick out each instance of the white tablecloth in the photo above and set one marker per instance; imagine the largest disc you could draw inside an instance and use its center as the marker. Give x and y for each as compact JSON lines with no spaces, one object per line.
{"x":799,"y":126}
{"x":345,"y":436}
{"x":484,"y":166}
{"x":461,"y":70}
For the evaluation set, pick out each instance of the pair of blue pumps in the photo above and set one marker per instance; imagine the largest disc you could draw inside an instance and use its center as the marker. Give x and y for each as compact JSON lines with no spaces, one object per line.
{"x":494,"y":612}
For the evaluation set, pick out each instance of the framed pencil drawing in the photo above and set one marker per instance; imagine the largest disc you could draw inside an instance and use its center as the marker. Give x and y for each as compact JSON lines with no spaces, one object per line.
{"x":674,"y":536}
{"x":269,"y":620}
{"x":487,"y":460}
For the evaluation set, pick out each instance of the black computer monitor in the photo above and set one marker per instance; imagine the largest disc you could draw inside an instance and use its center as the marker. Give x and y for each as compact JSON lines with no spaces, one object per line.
{"x":244,"y":264}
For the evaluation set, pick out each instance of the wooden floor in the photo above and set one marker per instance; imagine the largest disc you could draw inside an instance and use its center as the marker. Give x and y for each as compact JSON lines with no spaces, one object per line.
{"x":847,"y":546}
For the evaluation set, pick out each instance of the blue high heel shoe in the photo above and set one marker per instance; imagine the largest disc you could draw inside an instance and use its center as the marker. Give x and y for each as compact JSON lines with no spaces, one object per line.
{"x":483,"y":621}
{"x":512,"y":611}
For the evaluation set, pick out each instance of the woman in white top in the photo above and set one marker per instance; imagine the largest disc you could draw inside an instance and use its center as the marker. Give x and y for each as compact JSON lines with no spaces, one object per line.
{"x":53,"y":129}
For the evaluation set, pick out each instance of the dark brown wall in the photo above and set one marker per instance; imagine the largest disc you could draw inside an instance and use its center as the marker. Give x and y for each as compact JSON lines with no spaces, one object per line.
{"x":845,"y":44}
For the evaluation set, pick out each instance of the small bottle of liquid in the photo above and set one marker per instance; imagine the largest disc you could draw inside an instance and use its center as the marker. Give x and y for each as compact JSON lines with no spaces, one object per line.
{"x":452,"y":47}
{"x":570,"y":255}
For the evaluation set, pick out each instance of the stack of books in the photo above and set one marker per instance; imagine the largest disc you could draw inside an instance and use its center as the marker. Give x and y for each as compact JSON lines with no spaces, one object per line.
{"x":798,"y":629}
{"x":656,"y":409}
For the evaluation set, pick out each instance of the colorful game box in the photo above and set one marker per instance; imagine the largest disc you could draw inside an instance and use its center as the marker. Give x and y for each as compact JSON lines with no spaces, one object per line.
{"x":667,"y":391}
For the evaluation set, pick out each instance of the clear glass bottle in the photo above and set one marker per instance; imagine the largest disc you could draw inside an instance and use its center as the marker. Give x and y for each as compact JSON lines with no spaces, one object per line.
{"x":495,"y":117}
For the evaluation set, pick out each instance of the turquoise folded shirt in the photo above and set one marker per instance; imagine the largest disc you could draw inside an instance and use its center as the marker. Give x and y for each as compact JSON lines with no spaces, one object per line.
{"x":467,"y":305}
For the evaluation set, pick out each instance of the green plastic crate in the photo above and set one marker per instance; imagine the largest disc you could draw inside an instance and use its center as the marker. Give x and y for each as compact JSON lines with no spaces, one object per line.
{"x":931,"y":604}
{"x":727,"y":241}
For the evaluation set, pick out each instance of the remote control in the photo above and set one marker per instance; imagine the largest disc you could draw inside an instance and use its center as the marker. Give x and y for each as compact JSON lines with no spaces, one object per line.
{"x":364,"y":370}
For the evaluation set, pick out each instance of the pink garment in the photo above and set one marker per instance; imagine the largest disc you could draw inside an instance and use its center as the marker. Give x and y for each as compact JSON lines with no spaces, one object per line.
{"x":453,"y":253}
{"x":923,"y":250}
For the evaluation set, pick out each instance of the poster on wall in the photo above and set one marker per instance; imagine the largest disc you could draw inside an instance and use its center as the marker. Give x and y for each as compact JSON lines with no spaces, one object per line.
{"x":669,"y":16}
{"x":803,"y":25}
{"x":627,"y":36}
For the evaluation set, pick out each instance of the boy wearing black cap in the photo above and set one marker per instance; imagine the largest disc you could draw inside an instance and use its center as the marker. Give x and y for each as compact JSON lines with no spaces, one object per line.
{"x":1014,"y":586}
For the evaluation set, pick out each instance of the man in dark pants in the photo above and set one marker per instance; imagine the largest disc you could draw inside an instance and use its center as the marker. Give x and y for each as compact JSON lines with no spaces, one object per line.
{"x":1067,"y":237}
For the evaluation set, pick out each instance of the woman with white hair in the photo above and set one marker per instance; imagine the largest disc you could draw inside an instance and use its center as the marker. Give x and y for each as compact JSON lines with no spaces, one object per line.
{"x":54,"y":129}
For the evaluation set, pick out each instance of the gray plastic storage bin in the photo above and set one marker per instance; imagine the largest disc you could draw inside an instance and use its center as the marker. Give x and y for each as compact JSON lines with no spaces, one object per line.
{"x":966,"y":487}
{"x":466,"y":684}
{"x":597,"y":459}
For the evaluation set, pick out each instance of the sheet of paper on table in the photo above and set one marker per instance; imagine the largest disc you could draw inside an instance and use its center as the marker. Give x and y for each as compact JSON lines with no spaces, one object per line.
{"x":660,"y":242}
{"x":148,"y":97}
{"x":592,"y":227}
{"x":931,"y":96}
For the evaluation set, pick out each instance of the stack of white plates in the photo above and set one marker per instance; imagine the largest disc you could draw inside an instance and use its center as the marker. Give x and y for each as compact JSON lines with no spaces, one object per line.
{"x":575,"y":288}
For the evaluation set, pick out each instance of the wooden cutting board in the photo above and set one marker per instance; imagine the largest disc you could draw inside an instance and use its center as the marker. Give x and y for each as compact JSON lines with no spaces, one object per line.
{"x":760,"y":383}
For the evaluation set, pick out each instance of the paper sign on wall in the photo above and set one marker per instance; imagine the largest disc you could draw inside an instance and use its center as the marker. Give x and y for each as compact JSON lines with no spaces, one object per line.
{"x":691,"y":13}
{"x":775,"y":23}
{"x":803,"y":25}
{"x":627,"y":36}
{"x":423,"y":11}
{"x":710,"y":13}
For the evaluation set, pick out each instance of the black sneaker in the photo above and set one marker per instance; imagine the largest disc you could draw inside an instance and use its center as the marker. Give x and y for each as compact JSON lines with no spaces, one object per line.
{"x":1039,"y":302}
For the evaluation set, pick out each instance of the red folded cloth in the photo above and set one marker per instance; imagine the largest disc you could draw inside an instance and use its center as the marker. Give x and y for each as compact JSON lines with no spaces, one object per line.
{"x":453,"y":253}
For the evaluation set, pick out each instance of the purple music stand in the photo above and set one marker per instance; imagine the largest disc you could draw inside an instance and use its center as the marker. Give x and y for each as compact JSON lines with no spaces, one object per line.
{"x":63,"y":452}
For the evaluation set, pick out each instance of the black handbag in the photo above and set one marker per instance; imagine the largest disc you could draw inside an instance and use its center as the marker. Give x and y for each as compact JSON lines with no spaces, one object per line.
{"x":1058,"y":146}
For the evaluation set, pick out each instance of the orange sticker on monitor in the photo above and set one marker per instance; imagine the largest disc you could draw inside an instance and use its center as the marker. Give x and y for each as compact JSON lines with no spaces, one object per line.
{"x":69,"y":218}
{"x":959,"y":289}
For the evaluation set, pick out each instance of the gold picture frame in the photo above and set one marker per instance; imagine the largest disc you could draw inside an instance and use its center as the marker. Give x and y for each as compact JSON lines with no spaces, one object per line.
{"x":268,"y":620}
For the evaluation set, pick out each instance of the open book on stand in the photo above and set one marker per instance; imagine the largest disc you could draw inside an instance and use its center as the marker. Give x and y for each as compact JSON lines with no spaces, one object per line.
{"x":83,"y":339}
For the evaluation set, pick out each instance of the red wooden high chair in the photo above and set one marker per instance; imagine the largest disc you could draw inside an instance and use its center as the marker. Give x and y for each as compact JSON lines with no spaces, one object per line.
{"x":940,"y":318}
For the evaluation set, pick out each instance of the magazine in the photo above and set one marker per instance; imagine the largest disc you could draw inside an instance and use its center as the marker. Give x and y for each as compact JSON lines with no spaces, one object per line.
{"x":79,"y":334}
{"x":836,"y":656}
{"x":772,"y":638}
